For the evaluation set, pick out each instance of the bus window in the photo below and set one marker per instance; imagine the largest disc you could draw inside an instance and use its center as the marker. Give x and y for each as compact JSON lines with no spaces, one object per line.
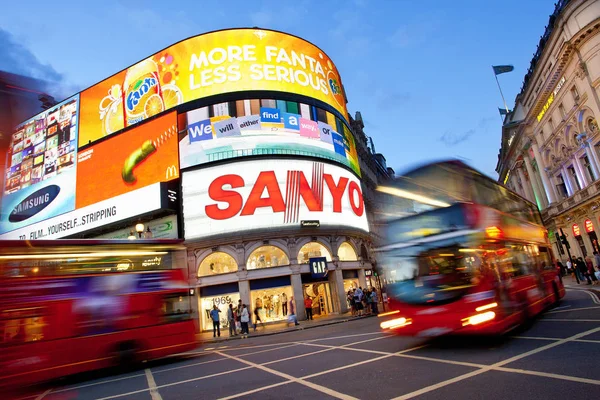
{"x":545,"y":259}
{"x":175,"y":307}
{"x":19,"y":326}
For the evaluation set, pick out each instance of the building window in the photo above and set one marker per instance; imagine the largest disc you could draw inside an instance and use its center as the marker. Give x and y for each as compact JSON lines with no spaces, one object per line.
{"x":588,"y":167}
{"x":271,"y":304}
{"x":571,"y":170}
{"x":551,"y":125}
{"x":562,"y":111}
{"x":217,"y":263}
{"x":312,"y":249}
{"x":346,"y":252}
{"x":592,"y":126}
{"x":266,"y":257}
{"x":561,"y":187}
{"x":575,"y":93}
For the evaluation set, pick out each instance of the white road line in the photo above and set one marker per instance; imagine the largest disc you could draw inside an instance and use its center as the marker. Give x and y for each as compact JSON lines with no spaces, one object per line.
{"x":558,"y":308}
{"x":97,"y":383}
{"x":535,"y":338}
{"x":345,"y":336}
{"x":42,"y":395}
{"x":152,"y":385}
{"x":174,"y":383}
{"x":298,"y":356}
{"x":260,"y":389}
{"x":267,"y":350}
{"x":187,"y":365}
{"x":493,"y":366}
{"x":548,"y":375}
{"x":573,"y":309}
{"x":311,"y":385}
{"x":595,"y":298}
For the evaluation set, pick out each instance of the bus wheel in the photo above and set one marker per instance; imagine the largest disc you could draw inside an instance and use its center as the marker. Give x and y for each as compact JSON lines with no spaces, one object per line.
{"x":126,"y":354}
{"x":556,"y":294}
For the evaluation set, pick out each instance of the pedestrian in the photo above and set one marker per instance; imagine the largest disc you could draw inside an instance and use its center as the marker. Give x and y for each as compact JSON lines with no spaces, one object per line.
{"x":214,"y":315}
{"x":374,"y":302}
{"x":239,"y":314}
{"x":358,"y":293}
{"x":244,"y":319}
{"x":351,"y":304}
{"x":561,"y":267}
{"x":569,"y":267}
{"x":292,"y":311}
{"x":308,"y":306}
{"x":582,"y":268}
{"x":231,"y":320}
{"x":257,"y":318}
{"x":590,"y":271}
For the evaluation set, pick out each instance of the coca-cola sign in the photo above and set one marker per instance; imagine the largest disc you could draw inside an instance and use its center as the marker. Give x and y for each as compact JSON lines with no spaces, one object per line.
{"x":270,"y":194}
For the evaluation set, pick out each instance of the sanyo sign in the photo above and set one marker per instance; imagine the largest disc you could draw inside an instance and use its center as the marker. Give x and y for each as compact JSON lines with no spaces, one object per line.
{"x":551,"y":99}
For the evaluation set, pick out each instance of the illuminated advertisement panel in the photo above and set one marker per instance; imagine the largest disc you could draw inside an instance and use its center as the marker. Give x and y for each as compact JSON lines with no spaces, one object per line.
{"x":131,"y":160}
{"x":211,"y":64}
{"x":41,"y":167}
{"x":270,"y":194}
{"x":254,"y":127}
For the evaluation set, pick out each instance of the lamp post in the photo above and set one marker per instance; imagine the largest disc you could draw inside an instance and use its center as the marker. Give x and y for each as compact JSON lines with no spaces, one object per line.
{"x":139,"y":228}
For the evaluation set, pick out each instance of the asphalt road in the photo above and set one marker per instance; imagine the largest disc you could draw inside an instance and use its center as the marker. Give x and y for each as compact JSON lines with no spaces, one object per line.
{"x":558,"y":357}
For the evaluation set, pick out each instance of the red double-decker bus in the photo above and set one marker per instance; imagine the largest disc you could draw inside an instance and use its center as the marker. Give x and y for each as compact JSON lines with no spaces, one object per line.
{"x":69,"y":306}
{"x":473,"y":257}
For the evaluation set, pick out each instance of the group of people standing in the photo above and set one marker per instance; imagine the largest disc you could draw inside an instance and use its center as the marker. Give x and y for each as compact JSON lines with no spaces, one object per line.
{"x":239,"y":318}
{"x":363,"y":302}
{"x":582,"y":269}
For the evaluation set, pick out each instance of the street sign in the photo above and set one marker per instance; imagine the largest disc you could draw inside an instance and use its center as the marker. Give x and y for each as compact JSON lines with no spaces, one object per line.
{"x":310,"y":223}
{"x":318,"y":267}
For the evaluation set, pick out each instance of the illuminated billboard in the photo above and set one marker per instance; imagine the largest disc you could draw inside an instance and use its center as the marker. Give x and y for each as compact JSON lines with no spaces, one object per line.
{"x":255,"y":127}
{"x":211,"y":64}
{"x":270,"y":194}
{"x":131,"y":160}
{"x":41,"y":167}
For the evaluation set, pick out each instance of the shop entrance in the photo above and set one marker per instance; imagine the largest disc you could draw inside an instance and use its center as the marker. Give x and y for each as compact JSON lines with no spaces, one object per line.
{"x":322,"y":301}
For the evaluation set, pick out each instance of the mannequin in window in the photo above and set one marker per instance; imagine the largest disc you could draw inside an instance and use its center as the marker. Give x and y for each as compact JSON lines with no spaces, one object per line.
{"x":284,"y":303}
{"x":276,"y":304}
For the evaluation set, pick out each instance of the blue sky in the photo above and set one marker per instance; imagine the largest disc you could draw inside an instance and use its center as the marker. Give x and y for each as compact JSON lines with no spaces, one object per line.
{"x":419,"y":72}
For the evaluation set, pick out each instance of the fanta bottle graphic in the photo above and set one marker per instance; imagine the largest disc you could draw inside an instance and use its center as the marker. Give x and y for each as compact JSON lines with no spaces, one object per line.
{"x":142,"y":94}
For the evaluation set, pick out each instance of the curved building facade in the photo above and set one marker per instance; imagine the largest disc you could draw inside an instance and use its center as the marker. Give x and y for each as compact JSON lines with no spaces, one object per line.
{"x":550,"y":150}
{"x":238,"y":141}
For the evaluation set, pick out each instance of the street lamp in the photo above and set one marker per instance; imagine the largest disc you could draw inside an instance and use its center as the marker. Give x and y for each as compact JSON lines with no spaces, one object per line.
{"x":139,"y":228}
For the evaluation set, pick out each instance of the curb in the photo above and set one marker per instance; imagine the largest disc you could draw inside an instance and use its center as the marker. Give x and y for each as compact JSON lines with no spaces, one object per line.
{"x":298,"y":328}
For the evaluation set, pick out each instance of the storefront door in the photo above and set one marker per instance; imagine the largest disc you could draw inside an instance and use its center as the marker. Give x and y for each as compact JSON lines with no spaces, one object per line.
{"x":322,"y":301}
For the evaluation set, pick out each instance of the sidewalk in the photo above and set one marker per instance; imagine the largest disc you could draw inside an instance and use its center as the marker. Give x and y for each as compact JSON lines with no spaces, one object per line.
{"x":281,"y":327}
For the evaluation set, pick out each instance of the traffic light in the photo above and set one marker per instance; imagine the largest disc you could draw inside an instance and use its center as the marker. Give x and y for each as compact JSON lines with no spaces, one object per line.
{"x":563,"y":240}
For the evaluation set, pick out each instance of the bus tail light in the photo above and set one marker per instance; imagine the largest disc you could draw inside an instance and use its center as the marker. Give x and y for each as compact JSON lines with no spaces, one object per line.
{"x":395,"y":323}
{"x":479,"y":318}
{"x":493,"y":232}
{"x":486,"y":307}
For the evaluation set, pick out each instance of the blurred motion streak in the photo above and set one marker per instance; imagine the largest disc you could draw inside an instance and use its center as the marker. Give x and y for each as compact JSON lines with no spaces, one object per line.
{"x":471,"y":246}
{"x":69,"y":306}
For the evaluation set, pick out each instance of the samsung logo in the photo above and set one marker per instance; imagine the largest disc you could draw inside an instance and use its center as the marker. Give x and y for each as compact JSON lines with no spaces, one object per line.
{"x":34,"y":203}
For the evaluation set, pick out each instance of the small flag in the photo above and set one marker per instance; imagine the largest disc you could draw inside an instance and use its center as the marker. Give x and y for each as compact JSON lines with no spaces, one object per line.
{"x":501,"y":69}
{"x":502,"y":111}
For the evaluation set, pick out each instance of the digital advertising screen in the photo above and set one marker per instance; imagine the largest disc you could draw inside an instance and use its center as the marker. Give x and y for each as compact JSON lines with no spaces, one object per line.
{"x":41,"y":167}
{"x":270,"y":194}
{"x":131,"y":160}
{"x":255,"y":127}
{"x":214,"y":63}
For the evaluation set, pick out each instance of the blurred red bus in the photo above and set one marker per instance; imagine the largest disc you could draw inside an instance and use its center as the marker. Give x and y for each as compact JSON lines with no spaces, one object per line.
{"x":473,"y":258}
{"x":69,"y":306}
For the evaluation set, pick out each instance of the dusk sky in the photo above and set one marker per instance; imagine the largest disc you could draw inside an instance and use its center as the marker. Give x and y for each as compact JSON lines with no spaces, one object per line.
{"x":419,"y":72}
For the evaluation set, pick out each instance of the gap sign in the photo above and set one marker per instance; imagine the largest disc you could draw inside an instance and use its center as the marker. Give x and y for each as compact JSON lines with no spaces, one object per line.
{"x":318,"y":267}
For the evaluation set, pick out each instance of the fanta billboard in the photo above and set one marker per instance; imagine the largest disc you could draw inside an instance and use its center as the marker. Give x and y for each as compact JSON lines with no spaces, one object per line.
{"x":206,"y":65}
{"x":272,"y":194}
{"x":136,"y":158}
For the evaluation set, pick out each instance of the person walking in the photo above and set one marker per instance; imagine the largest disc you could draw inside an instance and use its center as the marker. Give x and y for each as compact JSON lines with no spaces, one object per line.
{"x":582,"y":268}
{"x":292,"y":311}
{"x":257,"y":318}
{"x":561,"y":267}
{"x":231,"y":320}
{"x":590,"y":271}
{"x":374,"y":302}
{"x":214,"y":315}
{"x":244,"y":319}
{"x":308,"y":306}
{"x":358,"y":293}
{"x":351,"y":304}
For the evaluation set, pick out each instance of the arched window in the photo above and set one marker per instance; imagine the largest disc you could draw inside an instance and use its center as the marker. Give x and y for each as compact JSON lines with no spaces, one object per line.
{"x":346,"y":252}
{"x":217,"y":263}
{"x":592,"y":126}
{"x":312,"y":249}
{"x":266,"y":257}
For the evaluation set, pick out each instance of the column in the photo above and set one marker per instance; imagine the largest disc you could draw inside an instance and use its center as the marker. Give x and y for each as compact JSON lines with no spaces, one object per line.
{"x":540,"y":185}
{"x":568,"y":181}
{"x":526,"y":186}
{"x":541,"y":168}
{"x":362,"y":279}
{"x":336,"y":280}
{"x":580,"y":172}
{"x":244,"y":287}
{"x":594,"y":161}
{"x":536,"y":190}
{"x":298,"y":296}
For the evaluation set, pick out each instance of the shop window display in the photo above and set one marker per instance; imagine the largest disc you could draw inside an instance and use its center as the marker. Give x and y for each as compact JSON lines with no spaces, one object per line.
{"x":222,"y":302}
{"x":266,"y":257}
{"x":346,"y":252}
{"x":320,"y":294}
{"x":350,"y":284}
{"x":313,"y":249}
{"x":217,"y":263}
{"x":272,"y":303}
